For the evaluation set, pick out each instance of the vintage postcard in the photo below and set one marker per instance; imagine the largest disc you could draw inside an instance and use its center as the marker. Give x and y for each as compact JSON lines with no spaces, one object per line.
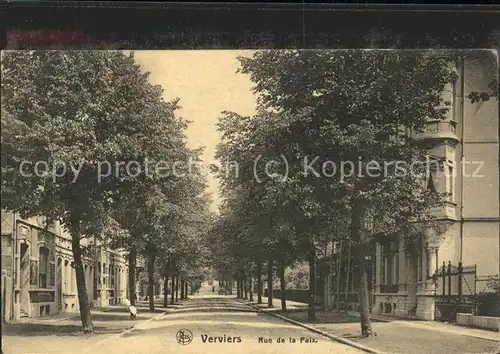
{"x":240,"y":201}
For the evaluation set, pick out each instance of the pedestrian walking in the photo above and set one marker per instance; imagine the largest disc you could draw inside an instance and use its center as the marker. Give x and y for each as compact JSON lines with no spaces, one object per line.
{"x":131,"y":309}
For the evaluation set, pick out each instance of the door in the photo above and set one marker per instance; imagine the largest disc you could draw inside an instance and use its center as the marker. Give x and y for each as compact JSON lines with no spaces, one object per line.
{"x":24,"y":279}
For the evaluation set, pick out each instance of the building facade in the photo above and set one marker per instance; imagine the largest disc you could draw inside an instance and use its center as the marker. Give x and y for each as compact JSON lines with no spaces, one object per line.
{"x":466,"y":147}
{"x":38,"y":275}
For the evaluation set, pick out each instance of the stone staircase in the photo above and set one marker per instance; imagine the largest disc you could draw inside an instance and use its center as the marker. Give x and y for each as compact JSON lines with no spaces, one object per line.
{"x":23,"y":314}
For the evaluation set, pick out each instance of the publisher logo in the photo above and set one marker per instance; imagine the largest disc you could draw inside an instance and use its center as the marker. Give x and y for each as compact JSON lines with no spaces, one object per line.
{"x":184,"y":336}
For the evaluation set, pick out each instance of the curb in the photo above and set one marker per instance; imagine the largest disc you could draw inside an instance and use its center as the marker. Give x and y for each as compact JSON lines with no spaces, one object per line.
{"x":325,"y":334}
{"x":121,"y":334}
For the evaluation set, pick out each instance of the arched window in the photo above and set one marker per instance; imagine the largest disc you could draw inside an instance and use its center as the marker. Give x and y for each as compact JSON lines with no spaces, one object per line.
{"x":43,"y":270}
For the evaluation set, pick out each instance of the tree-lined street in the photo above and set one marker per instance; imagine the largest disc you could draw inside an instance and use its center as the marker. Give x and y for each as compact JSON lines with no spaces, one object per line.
{"x":329,"y":167}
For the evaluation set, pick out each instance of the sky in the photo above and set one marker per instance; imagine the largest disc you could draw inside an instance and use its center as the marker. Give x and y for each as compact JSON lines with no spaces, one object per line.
{"x":207,"y":84}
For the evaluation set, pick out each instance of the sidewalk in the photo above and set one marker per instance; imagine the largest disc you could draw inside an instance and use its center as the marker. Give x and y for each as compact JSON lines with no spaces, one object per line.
{"x":437,"y":326}
{"x":62,"y":333}
{"x":398,"y":336}
{"x":291,"y":306}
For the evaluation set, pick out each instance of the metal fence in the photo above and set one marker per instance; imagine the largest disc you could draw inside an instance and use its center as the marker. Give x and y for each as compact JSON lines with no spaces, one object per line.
{"x":459,"y":290}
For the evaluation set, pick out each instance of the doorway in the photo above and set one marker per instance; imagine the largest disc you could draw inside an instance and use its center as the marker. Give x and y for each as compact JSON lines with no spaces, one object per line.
{"x":24,"y":280}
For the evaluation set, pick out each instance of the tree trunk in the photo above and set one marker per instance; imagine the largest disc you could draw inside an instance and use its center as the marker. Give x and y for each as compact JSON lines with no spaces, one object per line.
{"x":245,"y":288}
{"x":177,"y":288}
{"x":338,"y":277}
{"x":151,"y":269}
{"x":182,"y":289}
{"x":364,"y":310}
{"x":311,"y":309}
{"x":259,"y":283}
{"x":186,"y":289}
{"x":270,"y":283}
{"x":282,"y":285}
{"x":357,"y":237}
{"x":83,"y":299}
{"x":250,"y":280}
{"x":172,"y":295}
{"x":165,"y":291}
{"x":132,"y":276}
{"x":238,"y":290}
{"x":348,"y":272}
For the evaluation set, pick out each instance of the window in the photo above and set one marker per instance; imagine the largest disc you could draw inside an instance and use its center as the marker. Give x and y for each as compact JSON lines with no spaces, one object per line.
{"x":431,"y":173}
{"x":43,"y":270}
{"x":67,"y":277}
{"x":450,"y":183}
{"x":430,"y":184}
{"x":420,"y":260}
{"x":453,"y":127}
{"x":97,"y":280}
{"x":73,"y":277}
{"x":98,"y":273}
{"x":389,"y":264}
{"x":7,"y":254}
{"x":52,"y":274}
{"x":33,"y":273}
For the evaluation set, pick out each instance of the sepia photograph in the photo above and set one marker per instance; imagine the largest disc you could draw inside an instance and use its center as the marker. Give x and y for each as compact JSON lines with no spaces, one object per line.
{"x":250,"y":201}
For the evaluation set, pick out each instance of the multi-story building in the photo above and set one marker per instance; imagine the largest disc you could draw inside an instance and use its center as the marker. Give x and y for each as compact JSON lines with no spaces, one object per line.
{"x":38,"y":275}
{"x":404,"y":269}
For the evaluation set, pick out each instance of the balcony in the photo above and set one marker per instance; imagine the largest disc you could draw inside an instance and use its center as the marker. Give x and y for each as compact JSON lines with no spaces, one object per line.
{"x":439,"y":129}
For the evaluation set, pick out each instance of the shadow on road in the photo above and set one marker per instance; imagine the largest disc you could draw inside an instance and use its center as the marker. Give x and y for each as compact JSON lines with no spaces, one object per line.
{"x":322,"y":317}
{"x":214,"y":309}
{"x":139,"y":309}
{"x":37,"y":330}
{"x":202,"y":316}
{"x":111,"y":317}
